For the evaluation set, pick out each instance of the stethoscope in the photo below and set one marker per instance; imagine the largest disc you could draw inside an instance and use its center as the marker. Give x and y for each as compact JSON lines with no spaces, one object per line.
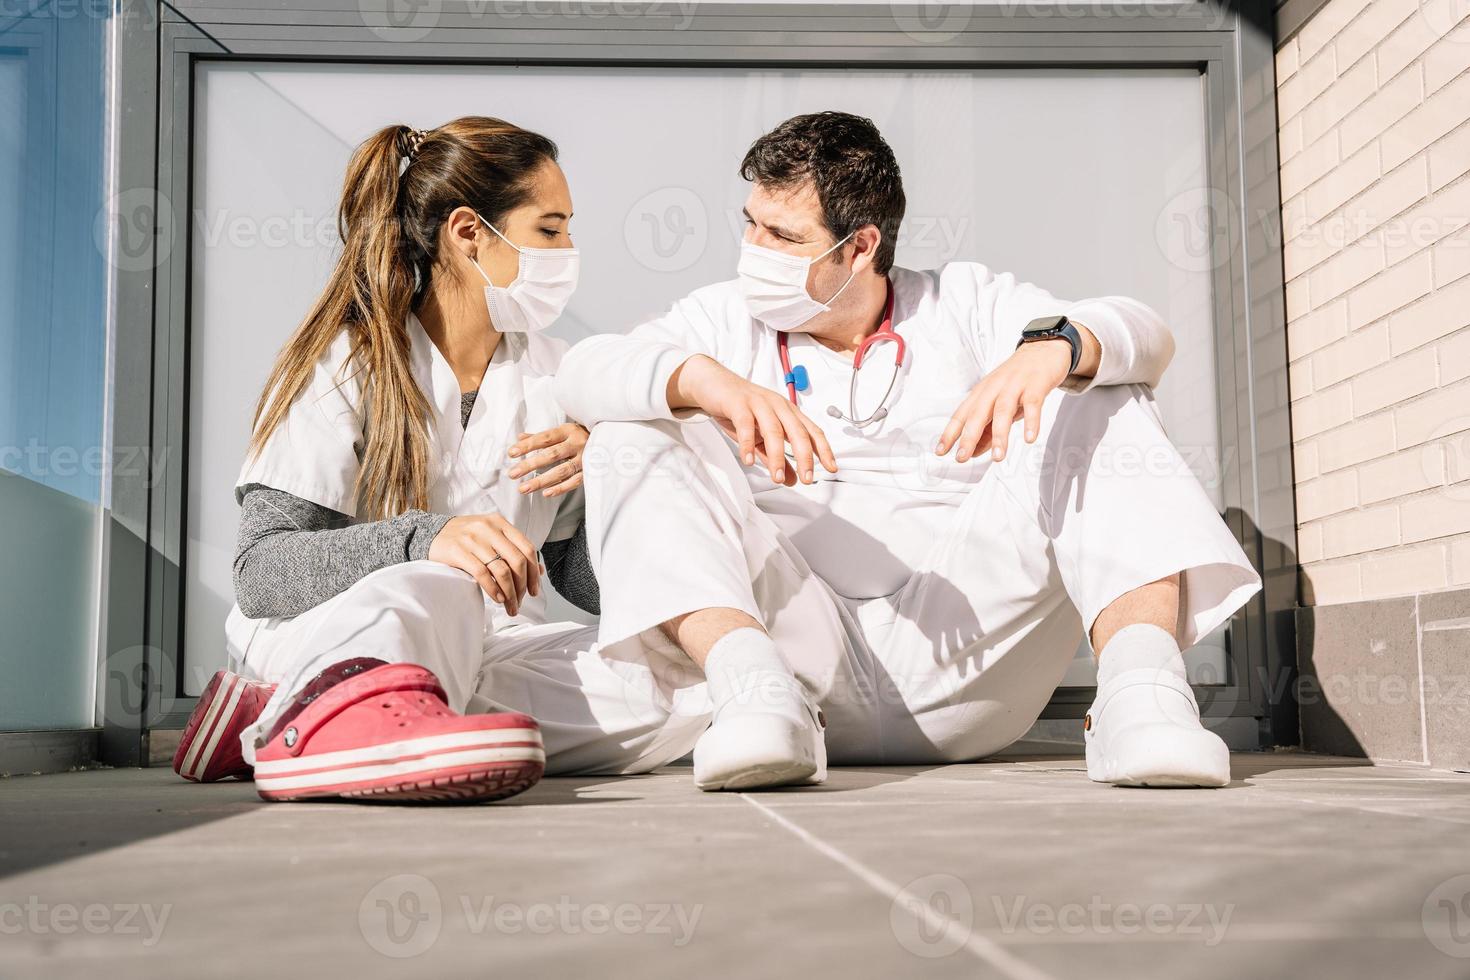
{"x":797,"y":380}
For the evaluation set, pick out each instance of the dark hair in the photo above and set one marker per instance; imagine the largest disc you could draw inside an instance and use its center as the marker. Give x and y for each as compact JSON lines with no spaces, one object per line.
{"x":852,"y":168}
{"x":402,"y":184}
{"x":487,"y":164}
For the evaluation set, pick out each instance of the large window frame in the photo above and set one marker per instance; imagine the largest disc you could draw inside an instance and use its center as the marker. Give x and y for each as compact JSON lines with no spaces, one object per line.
{"x":145,"y":574}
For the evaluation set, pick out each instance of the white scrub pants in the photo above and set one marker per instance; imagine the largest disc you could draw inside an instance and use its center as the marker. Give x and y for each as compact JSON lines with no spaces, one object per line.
{"x":955,"y":666}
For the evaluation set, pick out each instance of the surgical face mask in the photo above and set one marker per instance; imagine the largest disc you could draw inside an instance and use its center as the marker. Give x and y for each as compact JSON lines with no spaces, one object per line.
{"x":545,"y":280}
{"x":774,"y":284}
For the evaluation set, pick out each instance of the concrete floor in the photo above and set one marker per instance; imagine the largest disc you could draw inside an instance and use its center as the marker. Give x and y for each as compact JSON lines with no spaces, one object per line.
{"x":1016,"y":868}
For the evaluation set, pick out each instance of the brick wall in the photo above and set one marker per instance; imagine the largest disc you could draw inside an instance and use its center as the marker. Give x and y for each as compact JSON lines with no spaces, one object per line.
{"x":1374,"y":106}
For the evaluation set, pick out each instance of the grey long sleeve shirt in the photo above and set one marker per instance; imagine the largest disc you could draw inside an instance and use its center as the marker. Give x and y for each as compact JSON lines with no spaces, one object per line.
{"x":292,"y":554}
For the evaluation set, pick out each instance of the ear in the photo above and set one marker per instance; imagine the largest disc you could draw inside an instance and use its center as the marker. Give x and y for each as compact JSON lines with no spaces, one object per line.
{"x":462,"y":231}
{"x":865,"y":242}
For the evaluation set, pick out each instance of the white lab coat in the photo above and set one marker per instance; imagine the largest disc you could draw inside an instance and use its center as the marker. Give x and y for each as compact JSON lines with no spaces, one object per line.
{"x":315,"y":454}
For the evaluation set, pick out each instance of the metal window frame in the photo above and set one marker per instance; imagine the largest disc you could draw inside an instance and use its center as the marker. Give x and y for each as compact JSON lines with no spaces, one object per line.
{"x":1227,"y":43}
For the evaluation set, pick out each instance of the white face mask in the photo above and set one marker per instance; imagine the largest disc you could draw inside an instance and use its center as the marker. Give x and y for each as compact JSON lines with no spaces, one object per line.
{"x":544,"y":282}
{"x":774,"y":284}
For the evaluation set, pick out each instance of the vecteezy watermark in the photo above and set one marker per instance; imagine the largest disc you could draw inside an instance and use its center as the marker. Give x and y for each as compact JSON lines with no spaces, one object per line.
{"x":38,"y":918}
{"x":1446,"y":916}
{"x":412,"y":20}
{"x":667,"y":230}
{"x":402,"y":916}
{"x":1097,"y":917}
{"x":933,"y":916}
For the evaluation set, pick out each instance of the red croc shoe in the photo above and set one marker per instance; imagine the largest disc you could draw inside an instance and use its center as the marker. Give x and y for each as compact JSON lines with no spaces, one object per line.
{"x":387,"y":734}
{"x":210,"y":747}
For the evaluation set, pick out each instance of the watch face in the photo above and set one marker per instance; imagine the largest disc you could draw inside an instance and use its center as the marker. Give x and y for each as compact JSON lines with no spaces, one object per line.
{"x":1045,"y":324}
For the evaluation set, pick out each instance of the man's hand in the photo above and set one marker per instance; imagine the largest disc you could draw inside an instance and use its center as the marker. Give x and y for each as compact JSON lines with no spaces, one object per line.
{"x":762,"y":421}
{"x":1016,"y":388}
{"x":557,"y":453}
{"x":499,"y":556}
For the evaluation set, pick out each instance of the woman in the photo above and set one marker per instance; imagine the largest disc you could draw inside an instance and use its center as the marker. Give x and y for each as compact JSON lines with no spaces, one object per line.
{"x":380,"y":486}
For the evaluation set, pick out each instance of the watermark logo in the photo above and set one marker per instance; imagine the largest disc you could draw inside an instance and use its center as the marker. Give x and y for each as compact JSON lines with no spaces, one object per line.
{"x":140,"y":223}
{"x":1446,"y":917}
{"x":1193,"y":229}
{"x":932,"y":23}
{"x":933,"y":917}
{"x":401,"y":916}
{"x":667,"y":230}
{"x":400,"y":20}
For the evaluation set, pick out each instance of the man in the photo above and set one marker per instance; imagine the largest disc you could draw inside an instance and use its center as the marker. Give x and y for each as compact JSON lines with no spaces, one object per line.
{"x":878,"y":508}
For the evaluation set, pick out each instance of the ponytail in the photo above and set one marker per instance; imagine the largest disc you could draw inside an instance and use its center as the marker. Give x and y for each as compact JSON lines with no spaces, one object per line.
{"x":401,"y":186}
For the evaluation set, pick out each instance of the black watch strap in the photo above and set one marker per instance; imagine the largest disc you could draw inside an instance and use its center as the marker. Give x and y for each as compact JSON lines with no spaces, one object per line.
{"x":1053,"y":328}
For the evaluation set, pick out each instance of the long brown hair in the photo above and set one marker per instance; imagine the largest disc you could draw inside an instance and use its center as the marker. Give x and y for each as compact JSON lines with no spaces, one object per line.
{"x":401,"y":185}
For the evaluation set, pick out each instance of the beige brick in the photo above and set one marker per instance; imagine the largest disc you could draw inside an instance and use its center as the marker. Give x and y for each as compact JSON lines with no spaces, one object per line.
{"x":1386,"y":106}
{"x":1294,"y":94}
{"x":1435,"y":416}
{"x":1401,"y":474}
{"x":1325,"y":24}
{"x":1309,"y":543}
{"x":1390,"y":290}
{"x":1310,"y":164}
{"x":1448,"y":58}
{"x":1329,"y":495}
{"x":1451,"y":260}
{"x":1342,"y":182}
{"x":1304,"y":461}
{"x":1298,"y":300}
{"x":1405,"y":572}
{"x":1411,"y":39}
{"x":1354,"y":354}
{"x":1321,"y":411}
{"x":1454,"y":357}
{"x":1352,"y":265}
{"x":1294,"y":218}
{"x":1440,"y":313}
{"x":1457,"y":461}
{"x":1460,"y":561}
{"x":1360,"y":440}
{"x":1376,"y":21}
{"x":1348,"y":92}
{"x":1450,"y":157}
{"x":1317,"y":329}
{"x":1435,"y":514}
{"x":1401,"y":378}
{"x":1299,"y":379}
{"x":1327,"y":584}
{"x":1444,"y":214}
{"x":1289,"y":139}
{"x":1287,"y":61}
{"x":1360,"y":531}
{"x":1440,"y":113}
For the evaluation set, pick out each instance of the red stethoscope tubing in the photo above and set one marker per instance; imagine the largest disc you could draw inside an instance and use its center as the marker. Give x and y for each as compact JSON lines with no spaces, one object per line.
{"x":885,"y":332}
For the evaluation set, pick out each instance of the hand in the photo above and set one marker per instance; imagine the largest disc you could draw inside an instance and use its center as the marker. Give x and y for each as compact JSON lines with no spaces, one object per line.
{"x":761,"y":421}
{"x":1014,"y":389}
{"x":541,"y":451}
{"x":500,"y":558}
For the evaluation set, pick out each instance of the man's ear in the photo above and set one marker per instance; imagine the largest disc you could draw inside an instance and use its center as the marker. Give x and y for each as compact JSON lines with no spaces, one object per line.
{"x":462,"y":231}
{"x":865,"y":247}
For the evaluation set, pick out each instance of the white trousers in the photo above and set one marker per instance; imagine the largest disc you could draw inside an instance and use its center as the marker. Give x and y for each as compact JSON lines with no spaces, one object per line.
{"x":955,"y":666}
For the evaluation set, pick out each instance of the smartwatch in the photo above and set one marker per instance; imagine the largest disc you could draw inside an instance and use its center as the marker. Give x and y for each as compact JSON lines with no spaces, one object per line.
{"x":1052,"y":328}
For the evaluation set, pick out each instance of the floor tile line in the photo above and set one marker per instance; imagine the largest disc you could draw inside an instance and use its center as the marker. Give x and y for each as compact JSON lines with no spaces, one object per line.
{"x":979,"y":946}
{"x":1421,"y":815}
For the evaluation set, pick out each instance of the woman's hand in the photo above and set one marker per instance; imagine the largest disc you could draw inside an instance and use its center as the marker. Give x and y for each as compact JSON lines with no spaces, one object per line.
{"x":556,"y":454}
{"x":1016,"y":388}
{"x":762,"y":421}
{"x":500,"y":558}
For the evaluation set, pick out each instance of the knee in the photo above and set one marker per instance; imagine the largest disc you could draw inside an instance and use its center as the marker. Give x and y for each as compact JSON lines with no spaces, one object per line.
{"x":433,"y":585}
{"x":627,"y":449}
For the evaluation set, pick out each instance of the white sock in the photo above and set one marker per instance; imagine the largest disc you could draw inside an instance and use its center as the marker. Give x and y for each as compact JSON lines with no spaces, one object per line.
{"x":1140,"y":647}
{"x":745,"y":670}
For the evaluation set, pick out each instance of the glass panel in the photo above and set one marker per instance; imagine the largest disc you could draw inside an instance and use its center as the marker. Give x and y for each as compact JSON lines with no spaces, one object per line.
{"x":1084,"y":181}
{"x":53,"y":334}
